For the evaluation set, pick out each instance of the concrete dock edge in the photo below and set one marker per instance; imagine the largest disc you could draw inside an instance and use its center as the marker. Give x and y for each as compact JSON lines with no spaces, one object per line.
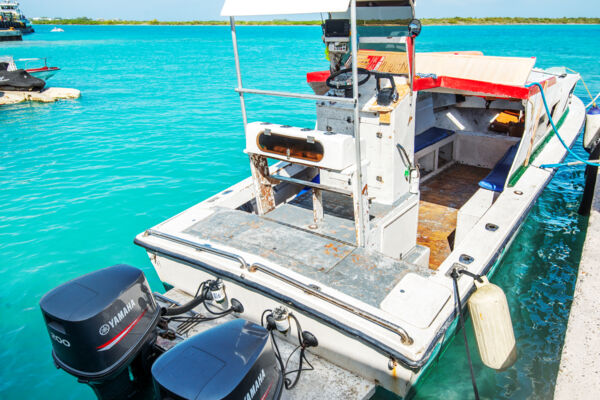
{"x":579,"y":371}
{"x":48,"y":95}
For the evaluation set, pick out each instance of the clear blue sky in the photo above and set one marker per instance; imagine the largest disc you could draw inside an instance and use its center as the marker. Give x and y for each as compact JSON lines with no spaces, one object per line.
{"x":210,"y":9}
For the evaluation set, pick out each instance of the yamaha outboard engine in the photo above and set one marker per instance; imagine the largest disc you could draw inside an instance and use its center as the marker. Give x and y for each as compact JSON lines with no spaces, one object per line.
{"x":102,"y":329}
{"x":231,"y":361}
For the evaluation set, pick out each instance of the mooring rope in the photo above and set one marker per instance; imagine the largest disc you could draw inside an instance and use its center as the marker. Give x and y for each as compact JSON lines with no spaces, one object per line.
{"x":455,"y":274}
{"x":586,"y":87}
{"x":593,"y":102}
{"x":583,"y":161}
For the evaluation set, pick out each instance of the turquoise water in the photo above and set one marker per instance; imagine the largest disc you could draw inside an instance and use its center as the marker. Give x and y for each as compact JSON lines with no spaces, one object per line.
{"x":158,"y":129}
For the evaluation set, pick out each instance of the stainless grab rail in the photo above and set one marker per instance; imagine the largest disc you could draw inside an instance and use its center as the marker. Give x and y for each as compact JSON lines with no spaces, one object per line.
{"x":296,"y":95}
{"x":301,"y":182}
{"x":404,"y":336}
{"x":199,"y":247}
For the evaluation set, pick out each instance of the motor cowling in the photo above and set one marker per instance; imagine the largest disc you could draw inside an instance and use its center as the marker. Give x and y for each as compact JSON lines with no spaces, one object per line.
{"x":100,"y":325}
{"x":232,"y":361}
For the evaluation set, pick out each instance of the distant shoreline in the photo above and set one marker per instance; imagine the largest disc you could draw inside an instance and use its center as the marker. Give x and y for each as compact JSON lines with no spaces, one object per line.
{"x":426,"y":21}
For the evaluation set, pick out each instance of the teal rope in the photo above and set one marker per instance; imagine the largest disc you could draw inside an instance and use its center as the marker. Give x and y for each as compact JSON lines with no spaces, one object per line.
{"x":557,"y":134}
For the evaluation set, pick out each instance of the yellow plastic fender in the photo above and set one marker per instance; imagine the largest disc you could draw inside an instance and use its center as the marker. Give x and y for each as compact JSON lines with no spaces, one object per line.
{"x":493,"y":326}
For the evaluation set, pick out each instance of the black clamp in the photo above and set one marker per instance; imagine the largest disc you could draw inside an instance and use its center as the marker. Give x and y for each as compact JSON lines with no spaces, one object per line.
{"x":388,"y":95}
{"x":457,"y":272}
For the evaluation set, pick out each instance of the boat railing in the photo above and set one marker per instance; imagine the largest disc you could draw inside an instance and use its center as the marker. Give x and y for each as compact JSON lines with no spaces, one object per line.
{"x":316,"y":291}
{"x":296,"y":95}
{"x":198,"y":246}
{"x":27,"y":60}
{"x":310,"y":184}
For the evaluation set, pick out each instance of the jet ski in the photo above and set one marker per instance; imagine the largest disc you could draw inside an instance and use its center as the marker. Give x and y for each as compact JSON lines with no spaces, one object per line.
{"x":19,"y":80}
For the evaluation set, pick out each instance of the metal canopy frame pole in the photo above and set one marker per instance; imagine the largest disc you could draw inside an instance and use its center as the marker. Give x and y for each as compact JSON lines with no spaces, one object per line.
{"x":238,"y":71}
{"x":296,"y":95}
{"x":263,"y":190}
{"x":358,"y":181}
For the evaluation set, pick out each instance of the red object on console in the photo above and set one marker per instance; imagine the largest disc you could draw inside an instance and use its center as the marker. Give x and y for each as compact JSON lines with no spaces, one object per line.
{"x":318,"y":76}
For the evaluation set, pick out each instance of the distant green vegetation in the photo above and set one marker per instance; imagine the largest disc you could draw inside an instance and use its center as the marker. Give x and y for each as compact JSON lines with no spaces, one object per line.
{"x":507,"y":21}
{"x":426,"y":21}
{"x":89,"y":21}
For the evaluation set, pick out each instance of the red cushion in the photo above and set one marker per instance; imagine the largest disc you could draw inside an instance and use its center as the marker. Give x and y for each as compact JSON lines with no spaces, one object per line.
{"x":318,"y":76}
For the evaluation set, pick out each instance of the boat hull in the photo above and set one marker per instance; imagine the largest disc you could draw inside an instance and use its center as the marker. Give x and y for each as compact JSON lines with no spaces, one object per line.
{"x":24,"y":27}
{"x":10,"y":36}
{"x":44,"y":73}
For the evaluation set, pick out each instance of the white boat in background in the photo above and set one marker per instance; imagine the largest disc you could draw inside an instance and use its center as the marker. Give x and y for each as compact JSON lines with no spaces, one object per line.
{"x":56,"y":29}
{"x":420,"y":171}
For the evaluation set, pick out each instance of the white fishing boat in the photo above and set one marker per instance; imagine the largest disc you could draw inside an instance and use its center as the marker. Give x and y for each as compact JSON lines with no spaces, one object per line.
{"x":57,"y":30}
{"x":415,"y":180}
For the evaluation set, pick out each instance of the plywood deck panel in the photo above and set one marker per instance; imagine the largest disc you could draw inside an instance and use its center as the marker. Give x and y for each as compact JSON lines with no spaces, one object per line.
{"x":441,"y":198}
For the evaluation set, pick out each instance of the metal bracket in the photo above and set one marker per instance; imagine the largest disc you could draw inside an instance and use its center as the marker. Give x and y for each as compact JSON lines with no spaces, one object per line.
{"x":309,"y":184}
{"x":455,"y":267}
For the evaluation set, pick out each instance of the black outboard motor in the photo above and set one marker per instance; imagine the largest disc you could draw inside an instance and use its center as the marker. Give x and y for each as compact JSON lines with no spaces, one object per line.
{"x":102,"y":329}
{"x":20,"y":80}
{"x":231,"y":361}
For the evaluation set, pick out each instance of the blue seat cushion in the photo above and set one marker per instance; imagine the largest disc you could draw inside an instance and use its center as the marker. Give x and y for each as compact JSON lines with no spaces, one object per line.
{"x":496,"y":179}
{"x":431,"y":136}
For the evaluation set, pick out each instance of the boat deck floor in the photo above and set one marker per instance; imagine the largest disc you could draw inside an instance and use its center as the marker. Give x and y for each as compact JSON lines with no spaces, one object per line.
{"x":327,"y":255}
{"x":441,"y":198}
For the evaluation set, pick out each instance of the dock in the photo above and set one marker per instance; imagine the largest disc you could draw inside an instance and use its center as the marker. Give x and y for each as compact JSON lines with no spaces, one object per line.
{"x":326,"y":381}
{"x":48,"y":95}
{"x":579,"y":371}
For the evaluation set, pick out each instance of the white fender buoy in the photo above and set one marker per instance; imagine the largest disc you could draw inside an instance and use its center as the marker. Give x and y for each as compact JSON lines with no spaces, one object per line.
{"x":493,"y":327}
{"x":592,"y":127}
